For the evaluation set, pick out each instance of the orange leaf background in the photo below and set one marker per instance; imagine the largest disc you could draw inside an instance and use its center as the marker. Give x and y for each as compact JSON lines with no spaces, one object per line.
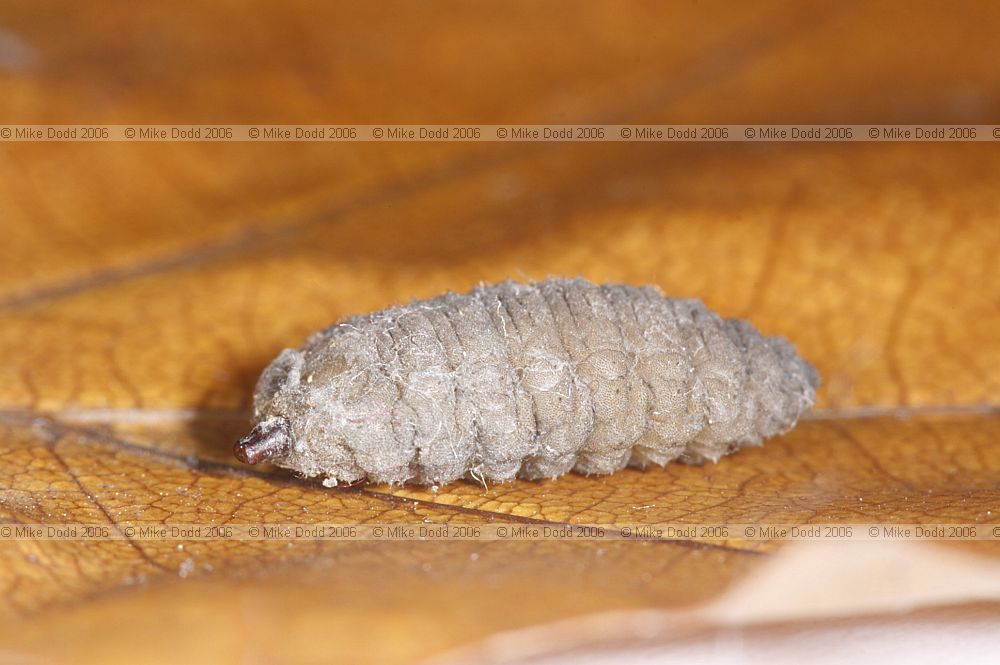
{"x":143,"y":287}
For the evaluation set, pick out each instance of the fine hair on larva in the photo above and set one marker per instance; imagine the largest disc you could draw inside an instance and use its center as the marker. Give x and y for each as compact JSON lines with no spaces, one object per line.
{"x":516,"y":380}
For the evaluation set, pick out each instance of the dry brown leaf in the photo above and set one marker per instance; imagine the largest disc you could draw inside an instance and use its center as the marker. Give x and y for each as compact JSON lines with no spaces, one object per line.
{"x":144,"y":286}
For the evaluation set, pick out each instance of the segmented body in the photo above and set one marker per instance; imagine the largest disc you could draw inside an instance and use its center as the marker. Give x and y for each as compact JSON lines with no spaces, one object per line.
{"x":529,"y":380}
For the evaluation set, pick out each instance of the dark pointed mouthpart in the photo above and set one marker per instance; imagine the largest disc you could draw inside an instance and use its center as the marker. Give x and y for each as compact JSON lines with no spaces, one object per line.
{"x":268,"y":440}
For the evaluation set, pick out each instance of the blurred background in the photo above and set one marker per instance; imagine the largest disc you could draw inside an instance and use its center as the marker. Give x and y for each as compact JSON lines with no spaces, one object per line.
{"x":143,"y":286}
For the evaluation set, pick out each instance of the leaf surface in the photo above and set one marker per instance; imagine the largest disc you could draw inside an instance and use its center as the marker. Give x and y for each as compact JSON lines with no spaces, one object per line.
{"x":143,"y":287}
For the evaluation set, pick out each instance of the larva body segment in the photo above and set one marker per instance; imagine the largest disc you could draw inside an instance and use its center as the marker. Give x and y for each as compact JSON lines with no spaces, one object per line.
{"x":524,"y":380}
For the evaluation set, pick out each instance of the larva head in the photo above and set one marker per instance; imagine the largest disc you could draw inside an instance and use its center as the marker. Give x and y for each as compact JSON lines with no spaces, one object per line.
{"x":326,"y":407}
{"x":270,"y":439}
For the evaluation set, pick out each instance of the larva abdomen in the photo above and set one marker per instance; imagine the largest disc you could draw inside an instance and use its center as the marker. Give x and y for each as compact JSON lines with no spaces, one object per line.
{"x":524,"y":380}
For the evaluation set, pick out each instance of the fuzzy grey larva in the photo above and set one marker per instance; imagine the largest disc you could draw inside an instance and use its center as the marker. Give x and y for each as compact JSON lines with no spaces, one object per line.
{"x":524,"y":381}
